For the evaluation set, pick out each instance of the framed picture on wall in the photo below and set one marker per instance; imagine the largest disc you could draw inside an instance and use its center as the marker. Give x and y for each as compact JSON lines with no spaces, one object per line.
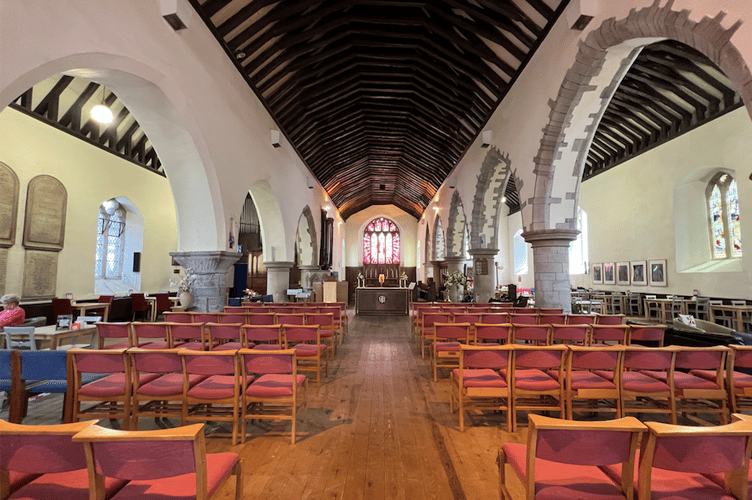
{"x":597,"y":274}
{"x":609,"y":273}
{"x":622,"y":273}
{"x":639,"y":272}
{"x":657,"y":273}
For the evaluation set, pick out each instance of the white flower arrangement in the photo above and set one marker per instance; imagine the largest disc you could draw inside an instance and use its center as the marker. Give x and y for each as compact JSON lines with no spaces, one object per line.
{"x":186,"y":282}
{"x":456,"y":278}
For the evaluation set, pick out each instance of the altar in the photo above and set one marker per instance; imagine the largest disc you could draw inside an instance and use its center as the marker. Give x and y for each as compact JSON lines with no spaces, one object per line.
{"x":382,"y":300}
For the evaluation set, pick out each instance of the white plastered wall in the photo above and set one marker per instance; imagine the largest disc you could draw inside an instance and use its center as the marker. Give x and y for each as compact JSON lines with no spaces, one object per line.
{"x":90,"y":176}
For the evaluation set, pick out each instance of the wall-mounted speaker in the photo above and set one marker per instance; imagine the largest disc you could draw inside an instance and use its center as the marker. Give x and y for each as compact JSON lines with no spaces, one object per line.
{"x":177,"y":13}
{"x":136,"y":262}
{"x":275,"y":139}
{"x":485,"y":138}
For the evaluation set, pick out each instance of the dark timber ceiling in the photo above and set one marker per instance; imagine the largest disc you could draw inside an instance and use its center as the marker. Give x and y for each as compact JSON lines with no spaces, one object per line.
{"x":669,"y":90}
{"x":380,"y":98}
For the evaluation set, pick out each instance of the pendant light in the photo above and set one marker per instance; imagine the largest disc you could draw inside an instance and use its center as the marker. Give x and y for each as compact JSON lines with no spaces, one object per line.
{"x":101,"y":112}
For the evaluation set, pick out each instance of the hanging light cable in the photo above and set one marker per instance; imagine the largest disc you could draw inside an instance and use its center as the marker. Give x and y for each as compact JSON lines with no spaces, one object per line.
{"x":101,"y":112}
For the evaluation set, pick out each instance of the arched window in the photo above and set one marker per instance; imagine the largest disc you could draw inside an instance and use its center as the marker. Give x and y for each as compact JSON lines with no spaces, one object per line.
{"x":381,"y":242}
{"x":110,"y":240}
{"x":723,"y":217}
{"x":578,"y":249}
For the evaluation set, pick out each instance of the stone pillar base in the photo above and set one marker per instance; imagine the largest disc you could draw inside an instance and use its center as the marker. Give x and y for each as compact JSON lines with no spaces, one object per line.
{"x":278,"y":279}
{"x":484,"y":285}
{"x":210,"y":268}
{"x":551,"y":261}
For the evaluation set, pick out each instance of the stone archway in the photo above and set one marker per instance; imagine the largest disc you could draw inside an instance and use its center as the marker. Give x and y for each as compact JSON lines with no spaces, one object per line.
{"x":275,"y":241}
{"x":307,"y":247}
{"x":489,"y":190}
{"x":455,"y":233}
{"x":439,"y":244}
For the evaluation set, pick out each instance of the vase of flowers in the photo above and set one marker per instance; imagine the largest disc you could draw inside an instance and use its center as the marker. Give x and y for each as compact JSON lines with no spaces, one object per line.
{"x":185,"y":288}
{"x":403,"y":280}
{"x":455,"y":284}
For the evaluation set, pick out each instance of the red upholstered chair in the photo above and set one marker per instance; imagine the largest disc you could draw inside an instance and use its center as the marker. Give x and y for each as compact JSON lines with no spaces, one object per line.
{"x":105,"y":299}
{"x":41,"y":462}
{"x":580,"y":319}
{"x":260,"y":318}
{"x":112,"y":394}
{"x":681,"y":462}
{"x":477,"y":310}
{"x":525,"y":310}
{"x":204,"y":318}
{"x":640,"y":388}
{"x":158,"y":335}
{"x":328,"y":329}
{"x":654,"y":334}
{"x":477,"y":385}
{"x":570,"y":334}
{"x":523,"y":319}
{"x":533,"y":386}
{"x":289,"y":319}
{"x":338,"y":316}
{"x":139,"y":305}
{"x":188,"y":336}
{"x":114,"y":331}
{"x":609,"y":319}
{"x":276,"y":392}
{"x":552,"y":319}
{"x":602,"y":334}
{"x":178,"y":317}
{"x":445,"y":349}
{"x":263,"y":337}
{"x":494,"y":318}
{"x":165,"y":463}
{"x":538,"y":334}
{"x":420,"y":322}
{"x":223,"y":336}
{"x":233,"y":317}
{"x":739,"y":383}
{"x":61,"y":307}
{"x":217,"y":397}
{"x":545,"y":310}
{"x":427,"y":330}
{"x":310,"y":351}
{"x":162,"y":397}
{"x":473,"y":319}
{"x":163,"y":303}
{"x":563,"y":459}
{"x":490,"y":334}
{"x":591,"y":379}
{"x":694,"y":393}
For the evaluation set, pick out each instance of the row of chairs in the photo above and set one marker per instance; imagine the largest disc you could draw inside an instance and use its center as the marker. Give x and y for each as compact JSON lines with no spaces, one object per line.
{"x":617,"y":379}
{"x":83,"y":460}
{"x":287,"y":307}
{"x":225,"y":386}
{"x":564,"y":459}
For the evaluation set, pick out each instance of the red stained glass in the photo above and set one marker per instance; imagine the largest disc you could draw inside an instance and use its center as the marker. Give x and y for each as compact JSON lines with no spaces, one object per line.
{"x":381,"y":242}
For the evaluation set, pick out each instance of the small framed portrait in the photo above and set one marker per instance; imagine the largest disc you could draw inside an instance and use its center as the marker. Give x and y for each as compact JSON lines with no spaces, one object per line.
{"x":64,"y":322}
{"x":639,"y":272}
{"x":609,"y":273}
{"x":657,"y":273}
{"x":622,"y":273}
{"x":597,"y":274}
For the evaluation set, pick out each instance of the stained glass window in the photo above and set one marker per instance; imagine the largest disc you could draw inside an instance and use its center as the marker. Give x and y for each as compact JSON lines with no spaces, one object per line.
{"x":381,"y":242}
{"x":723,"y":214}
{"x":110,"y":240}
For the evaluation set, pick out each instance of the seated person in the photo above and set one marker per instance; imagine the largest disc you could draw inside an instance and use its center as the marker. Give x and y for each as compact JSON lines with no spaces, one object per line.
{"x":422,"y":290}
{"x":12,"y":314}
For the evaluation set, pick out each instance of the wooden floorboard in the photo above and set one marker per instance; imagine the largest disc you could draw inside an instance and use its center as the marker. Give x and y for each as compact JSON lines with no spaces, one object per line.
{"x":378,"y":427}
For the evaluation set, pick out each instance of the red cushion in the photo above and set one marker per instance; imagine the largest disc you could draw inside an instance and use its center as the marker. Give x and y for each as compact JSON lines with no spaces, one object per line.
{"x":193,"y":345}
{"x":447,"y":346}
{"x":588,"y":380}
{"x":308,"y":350}
{"x":273,"y":386}
{"x":18,"y":479}
{"x":214,"y":387}
{"x":639,"y":382}
{"x":483,"y":377}
{"x":684,"y":380}
{"x":63,"y":485}
{"x":742,"y":379}
{"x":228,"y":346}
{"x":666,"y":484}
{"x":218,"y":468}
{"x":170,"y":384}
{"x":534,"y":380}
{"x":556,"y":481}
{"x":267,"y":347}
{"x":608,"y":375}
{"x":119,"y":345}
{"x":112,"y":385}
{"x":155,"y":345}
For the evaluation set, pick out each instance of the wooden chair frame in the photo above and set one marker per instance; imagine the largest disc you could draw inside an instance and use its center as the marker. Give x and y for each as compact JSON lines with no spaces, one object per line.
{"x":448,"y":358}
{"x":593,"y":399}
{"x":541,"y":400}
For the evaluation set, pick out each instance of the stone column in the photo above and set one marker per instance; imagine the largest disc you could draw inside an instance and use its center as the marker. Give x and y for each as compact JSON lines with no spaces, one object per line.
{"x":306,"y":274}
{"x":484,"y":280}
{"x":454,"y":264}
{"x":210,"y":268}
{"x":551,"y":262}
{"x":436,"y":264}
{"x":278,"y":279}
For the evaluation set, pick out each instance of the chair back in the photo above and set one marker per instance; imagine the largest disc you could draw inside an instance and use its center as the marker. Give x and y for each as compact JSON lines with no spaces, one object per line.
{"x":580,"y":319}
{"x":466,"y":318}
{"x":489,"y":357}
{"x":43,"y":365}
{"x":178,"y":317}
{"x":430,"y":319}
{"x":233,"y":317}
{"x":268,"y":362}
{"x":494,"y":318}
{"x":208,"y":362}
{"x":204,"y":317}
{"x":570,"y":333}
{"x":262,"y":333}
{"x":325,"y":320}
{"x":61,"y":307}
{"x":105,"y":299}
{"x":458,"y":332}
{"x":477,"y":310}
{"x":261,"y":318}
{"x":524,"y":319}
{"x":640,"y":333}
{"x":6,"y":367}
{"x":530,"y":333}
{"x":138,"y":302}
{"x":150,"y":331}
{"x":740,"y":356}
{"x":20,"y":337}
{"x":646,"y":358}
{"x":552,"y":319}
{"x":98,"y":361}
{"x":493,"y":332}
{"x":289,"y":319}
{"x":163,"y":302}
{"x":594,"y":358}
{"x":540,"y":357}
{"x":155,"y":360}
{"x":701,"y":358}
{"x":336,"y":312}
{"x":186,"y":331}
{"x":301,"y":333}
{"x":609,"y":319}
{"x":609,"y":333}
{"x":41,"y":449}
{"x":545,"y":310}
{"x":223,"y":331}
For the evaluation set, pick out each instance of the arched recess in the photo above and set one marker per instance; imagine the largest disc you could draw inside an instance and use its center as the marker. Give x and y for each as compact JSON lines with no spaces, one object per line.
{"x":427,"y":245}
{"x":151,"y":98}
{"x":439,"y":245}
{"x":270,"y":220}
{"x":133,"y":241}
{"x":306,"y":238}
{"x":489,"y":191}
{"x":606,"y":55}
{"x":455,"y":234}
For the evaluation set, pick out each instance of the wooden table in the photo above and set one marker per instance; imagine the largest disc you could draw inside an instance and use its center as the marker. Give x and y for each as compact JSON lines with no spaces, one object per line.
{"x":55,"y":338}
{"x":738,"y":314}
{"x":382,"y":300}
{"x":84,"y":307}
{"x":662,"y":303}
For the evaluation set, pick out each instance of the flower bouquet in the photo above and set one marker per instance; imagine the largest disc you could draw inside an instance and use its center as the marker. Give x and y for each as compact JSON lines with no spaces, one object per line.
{"x":456,"y":278}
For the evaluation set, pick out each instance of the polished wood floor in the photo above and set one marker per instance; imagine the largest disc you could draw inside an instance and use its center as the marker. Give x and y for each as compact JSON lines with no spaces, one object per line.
{"x":378,"y":428}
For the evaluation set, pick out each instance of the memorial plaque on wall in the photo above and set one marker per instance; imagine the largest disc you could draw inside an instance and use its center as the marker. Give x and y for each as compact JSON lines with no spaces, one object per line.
{"x":44,"y":223}
{"x":40,"y":274}
{"x":3,"y":269}
{"x":8,"y":206}
{"x":481,"y":267}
